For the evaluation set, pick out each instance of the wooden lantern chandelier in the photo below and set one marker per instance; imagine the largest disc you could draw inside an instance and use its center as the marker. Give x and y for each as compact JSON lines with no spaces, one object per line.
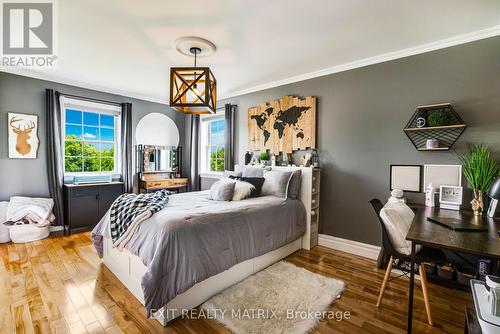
{"x":193,"y":90}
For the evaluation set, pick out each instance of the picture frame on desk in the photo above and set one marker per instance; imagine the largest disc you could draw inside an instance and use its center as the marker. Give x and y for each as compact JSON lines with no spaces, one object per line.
{"x":450,"y":197}
{"x":406,"y":177}
{"x":446,"y":175}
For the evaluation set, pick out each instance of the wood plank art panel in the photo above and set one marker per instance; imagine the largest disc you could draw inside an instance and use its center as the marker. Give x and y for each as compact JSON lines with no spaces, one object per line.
{"x":283,"y":125}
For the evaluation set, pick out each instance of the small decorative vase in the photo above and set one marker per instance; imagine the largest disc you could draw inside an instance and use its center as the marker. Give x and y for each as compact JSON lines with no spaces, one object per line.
{"x":432,"y":143}
{"x":477,"y":203}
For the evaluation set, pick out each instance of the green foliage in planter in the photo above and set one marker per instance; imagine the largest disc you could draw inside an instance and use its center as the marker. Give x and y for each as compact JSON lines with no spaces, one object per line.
{"x":480,"y":168}
{"x":264,"y":156}
{"x":438,"y":118}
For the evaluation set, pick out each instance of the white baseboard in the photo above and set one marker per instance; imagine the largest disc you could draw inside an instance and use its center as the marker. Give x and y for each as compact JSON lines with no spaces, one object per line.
{"x":354,"y":247}
{"x":349,"y":246}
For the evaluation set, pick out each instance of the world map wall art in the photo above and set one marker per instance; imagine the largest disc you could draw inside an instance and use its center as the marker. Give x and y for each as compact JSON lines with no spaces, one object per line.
{"x":283,"y":125}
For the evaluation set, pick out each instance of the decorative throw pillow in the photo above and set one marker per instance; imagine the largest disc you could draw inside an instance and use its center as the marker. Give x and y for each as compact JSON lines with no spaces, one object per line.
{"x":397,"y":218}
{"x":293,"y":191}
{"x":276,"y":183}
{"x":222,"y":190}
{"x":229,"y":173}
{"x":257,"y":182}
{"x":253,"y":172}
{"x":242,"y":190}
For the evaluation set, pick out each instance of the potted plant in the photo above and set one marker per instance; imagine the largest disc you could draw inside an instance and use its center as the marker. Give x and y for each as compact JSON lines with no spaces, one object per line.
{"x":480,"y":170}
{"x":438,"y":118}
{"x":264,"y":158}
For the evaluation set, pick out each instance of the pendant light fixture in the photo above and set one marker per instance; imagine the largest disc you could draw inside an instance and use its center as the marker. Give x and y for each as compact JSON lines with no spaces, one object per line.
{"x":193,"y":90}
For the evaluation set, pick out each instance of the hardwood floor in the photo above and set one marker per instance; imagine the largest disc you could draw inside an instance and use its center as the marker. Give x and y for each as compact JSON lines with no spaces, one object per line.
{"x":59,"y":285}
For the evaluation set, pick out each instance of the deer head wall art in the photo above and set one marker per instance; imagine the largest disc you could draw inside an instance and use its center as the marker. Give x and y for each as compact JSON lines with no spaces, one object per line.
{"x":23,"y":136}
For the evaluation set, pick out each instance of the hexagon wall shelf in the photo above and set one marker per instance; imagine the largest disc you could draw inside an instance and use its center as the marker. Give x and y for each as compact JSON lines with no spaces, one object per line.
{"x":447,"y":134}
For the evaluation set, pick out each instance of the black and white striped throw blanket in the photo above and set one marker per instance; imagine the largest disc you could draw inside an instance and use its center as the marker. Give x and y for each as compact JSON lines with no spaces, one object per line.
{"x":129,"y":210}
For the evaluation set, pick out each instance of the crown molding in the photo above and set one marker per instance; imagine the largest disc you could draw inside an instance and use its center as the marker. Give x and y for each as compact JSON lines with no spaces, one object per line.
{"x":80,"y":84}
{"x":423,"y":48}
{"x":441,"y":44}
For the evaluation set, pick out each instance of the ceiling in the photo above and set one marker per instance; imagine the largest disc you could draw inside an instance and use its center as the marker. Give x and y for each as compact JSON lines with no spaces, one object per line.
{"x":127,"y":46}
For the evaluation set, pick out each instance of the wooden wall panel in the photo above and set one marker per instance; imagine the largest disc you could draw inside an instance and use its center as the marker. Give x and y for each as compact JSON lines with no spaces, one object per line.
{"x":283,"y":125}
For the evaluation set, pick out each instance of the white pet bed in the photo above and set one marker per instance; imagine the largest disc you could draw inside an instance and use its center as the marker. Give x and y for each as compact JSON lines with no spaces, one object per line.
{"x":28,"y":233}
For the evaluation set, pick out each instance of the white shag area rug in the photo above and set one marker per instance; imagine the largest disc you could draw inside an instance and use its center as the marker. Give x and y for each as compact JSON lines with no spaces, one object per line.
{"x":282,"y":298}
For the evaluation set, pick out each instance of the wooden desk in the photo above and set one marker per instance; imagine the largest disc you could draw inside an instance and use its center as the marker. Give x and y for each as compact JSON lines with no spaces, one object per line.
{"x":471,"y":323}
{"x":426,"y":233}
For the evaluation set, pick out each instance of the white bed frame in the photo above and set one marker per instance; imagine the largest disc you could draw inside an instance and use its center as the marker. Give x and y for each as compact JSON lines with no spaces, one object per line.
{"x":129,"y":269}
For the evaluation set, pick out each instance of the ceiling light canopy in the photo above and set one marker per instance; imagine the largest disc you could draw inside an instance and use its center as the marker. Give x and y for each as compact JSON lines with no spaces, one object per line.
{"x":193,"y":90}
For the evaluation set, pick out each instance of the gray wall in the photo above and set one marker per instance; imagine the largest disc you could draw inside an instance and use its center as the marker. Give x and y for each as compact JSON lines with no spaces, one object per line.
{"x":361,"y":116}
{"x":25,"y":95}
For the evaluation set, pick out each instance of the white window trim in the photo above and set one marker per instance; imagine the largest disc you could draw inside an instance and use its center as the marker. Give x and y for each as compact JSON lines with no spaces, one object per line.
{"x":203,"y":154}
{"x":102,"y":108}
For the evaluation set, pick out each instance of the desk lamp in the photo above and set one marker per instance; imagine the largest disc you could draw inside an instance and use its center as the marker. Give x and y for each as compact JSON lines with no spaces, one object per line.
{"x":494,"y":193}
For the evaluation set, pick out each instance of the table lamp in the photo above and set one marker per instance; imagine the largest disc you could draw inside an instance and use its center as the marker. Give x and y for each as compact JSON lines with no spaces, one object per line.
{"x":494,"y":193}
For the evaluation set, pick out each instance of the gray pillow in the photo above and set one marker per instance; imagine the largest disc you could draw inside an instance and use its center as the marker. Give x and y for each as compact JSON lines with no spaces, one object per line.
{"x":228,"y":173}
{"x":222,"y":190}
{"x":253,"y":172}
{"x":294,"y":186}
{"x":276,"y":183}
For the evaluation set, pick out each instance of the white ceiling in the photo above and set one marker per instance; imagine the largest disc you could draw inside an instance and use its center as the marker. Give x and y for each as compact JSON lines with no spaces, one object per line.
{"x":127,"y":46}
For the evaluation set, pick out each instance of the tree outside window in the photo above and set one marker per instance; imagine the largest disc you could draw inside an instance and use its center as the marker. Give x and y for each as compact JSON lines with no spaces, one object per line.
{"x":89,"y":142}
{"x":216,"y":145}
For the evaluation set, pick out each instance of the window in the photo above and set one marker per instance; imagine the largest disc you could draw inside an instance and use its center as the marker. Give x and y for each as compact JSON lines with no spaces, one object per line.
{"x":90,"y":133}
{"x":212,"y":144}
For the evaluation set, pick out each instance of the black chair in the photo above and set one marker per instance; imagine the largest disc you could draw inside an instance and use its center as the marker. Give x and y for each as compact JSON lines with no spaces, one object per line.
{"x":399,"y":261}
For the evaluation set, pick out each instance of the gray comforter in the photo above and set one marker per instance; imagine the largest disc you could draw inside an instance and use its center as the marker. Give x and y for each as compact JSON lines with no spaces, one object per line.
{"x":194,"y":238}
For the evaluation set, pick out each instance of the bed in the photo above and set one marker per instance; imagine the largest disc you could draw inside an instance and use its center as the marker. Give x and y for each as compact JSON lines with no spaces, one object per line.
{"x":195,"y":247}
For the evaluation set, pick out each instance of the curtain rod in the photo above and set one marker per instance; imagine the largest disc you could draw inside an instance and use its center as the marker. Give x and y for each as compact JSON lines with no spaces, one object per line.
{"x":224,"y":107}
{"x":90,"y":99}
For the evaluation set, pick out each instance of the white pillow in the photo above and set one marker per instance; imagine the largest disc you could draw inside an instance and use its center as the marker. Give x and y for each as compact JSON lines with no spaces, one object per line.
{"x":242,"y":190}
{"x":397,"y":218}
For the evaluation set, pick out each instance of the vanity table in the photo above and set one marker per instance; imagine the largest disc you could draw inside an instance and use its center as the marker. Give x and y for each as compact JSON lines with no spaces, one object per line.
{"x":159,"y":167}
{"x":152,"y":182}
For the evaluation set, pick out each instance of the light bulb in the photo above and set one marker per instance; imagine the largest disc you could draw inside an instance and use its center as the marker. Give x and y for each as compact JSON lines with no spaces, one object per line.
{"x":192,"y":97}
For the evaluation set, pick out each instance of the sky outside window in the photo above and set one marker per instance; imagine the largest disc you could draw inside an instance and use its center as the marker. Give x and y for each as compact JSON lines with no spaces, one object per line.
{"x":89,"y":141}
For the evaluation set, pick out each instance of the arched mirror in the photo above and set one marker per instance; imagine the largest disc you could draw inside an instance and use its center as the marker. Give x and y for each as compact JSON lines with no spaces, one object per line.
{"x":157,"y":129}
{"x":157,"y":139}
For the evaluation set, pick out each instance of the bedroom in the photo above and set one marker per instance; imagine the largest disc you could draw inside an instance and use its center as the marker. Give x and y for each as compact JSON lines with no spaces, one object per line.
{"x":360,"y":100}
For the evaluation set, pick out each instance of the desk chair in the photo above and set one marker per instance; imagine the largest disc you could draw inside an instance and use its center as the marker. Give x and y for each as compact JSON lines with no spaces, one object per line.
{"x":424,"y":255}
